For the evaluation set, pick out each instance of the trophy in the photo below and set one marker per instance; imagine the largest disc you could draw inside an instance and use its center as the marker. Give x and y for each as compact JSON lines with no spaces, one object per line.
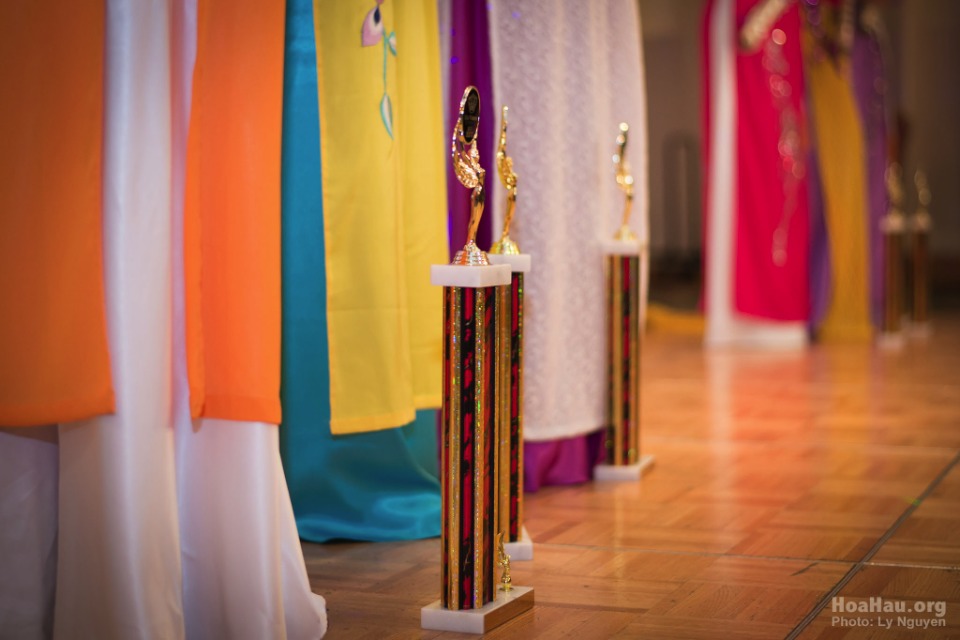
{"x":509,"y":179}
{"x":473,"y":290}
{"x":510,"y":351}
{"x":625,"y":182}
{"x":893,"y":226}
{"x":466,"y":165}
{"x":622,"y":267}
{"x":920,"y":224}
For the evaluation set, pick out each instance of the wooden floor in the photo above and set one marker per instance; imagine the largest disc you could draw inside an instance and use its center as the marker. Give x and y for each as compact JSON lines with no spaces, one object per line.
{"x":781,"y":481}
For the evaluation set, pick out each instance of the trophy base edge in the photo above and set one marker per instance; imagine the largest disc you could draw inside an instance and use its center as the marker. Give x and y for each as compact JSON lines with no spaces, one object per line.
{"x":920,"y":330}
{"x":505,"y":606}
{"x":622,"y":472}
{"x":518,"y":262}
{"x":521,"y":549}
{"x":891,"y":340}
{"x":473,"y":277}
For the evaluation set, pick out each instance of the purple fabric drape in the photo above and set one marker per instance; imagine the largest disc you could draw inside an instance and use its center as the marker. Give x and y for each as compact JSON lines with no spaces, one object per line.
{"x":869,"y":89}
{"x":566,"y":461}
{"x":470,"y":65}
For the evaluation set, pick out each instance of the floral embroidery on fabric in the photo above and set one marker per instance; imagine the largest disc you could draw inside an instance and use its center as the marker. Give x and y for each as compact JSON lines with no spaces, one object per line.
{"x":371,"y":33}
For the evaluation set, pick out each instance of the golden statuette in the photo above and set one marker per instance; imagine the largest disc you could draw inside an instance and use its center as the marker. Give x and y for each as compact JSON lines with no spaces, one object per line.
{"x":625,"y":182}
{"x":503,"y":560}
{"x":466,"y":164}
{"x":509,"y":179}
{"x":921,"y":219}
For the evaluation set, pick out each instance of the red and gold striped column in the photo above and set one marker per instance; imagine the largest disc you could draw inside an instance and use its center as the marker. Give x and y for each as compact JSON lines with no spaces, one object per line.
{"x":510,"y":350}
{"x":623,"y":349}
{"x":470,"y":413}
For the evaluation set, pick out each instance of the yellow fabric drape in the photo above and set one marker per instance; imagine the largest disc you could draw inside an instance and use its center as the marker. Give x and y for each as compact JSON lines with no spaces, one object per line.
{"x":382,"y":152}
{"x":839,"y":141}
{"x":232,"y":211}
{"x":54,"y":359}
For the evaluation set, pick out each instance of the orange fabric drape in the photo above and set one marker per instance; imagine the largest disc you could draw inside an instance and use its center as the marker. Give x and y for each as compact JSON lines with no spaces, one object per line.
{"x":232,"y":211}
{"x":54,"y":359}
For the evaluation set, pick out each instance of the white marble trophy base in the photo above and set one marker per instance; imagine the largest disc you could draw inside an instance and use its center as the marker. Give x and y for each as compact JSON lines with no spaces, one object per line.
{"x":518,"y":262}
{"x":622,"y":472}
{"x":505,"y":606}
{"x":746,"y":334}
{"x":920,"y":330}
{"x":522,"y":549}
{"x":621,"y":247}
{"x":455,"y":275}
{"x":892,"y":340}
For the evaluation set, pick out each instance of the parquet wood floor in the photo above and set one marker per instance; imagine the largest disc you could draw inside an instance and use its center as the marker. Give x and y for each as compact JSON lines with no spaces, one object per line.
{"x":782,"y":480}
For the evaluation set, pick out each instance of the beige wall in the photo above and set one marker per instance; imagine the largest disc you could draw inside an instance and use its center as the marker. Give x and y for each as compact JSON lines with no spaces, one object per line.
{"x":671,"y":49}
{"x":926,"y":37}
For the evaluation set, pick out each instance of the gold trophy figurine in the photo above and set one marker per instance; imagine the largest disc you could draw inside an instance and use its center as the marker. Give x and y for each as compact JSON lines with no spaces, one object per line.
{"x":625,"y":182}
{"x":503,"y":560}
{"x":466,"y":164}
{"x":505,"y":244}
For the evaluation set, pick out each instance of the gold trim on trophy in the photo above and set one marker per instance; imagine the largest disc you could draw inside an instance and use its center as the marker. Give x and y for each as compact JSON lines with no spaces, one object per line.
{"x":625,"y":182}
{"x":466,"y":165}
{"x":508,"y":177}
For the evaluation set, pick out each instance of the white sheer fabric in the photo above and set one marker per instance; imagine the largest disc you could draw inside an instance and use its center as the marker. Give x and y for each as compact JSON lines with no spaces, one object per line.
{"x":569,"y":72}
{"x":118,"y":574}
{"x":168,"y":527}
{"x":29,"y":469}
{"x":726,"y":327}
{"x":243,"y":569}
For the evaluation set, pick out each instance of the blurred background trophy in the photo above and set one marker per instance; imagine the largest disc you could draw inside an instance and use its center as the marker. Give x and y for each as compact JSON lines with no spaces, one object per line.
{"x":470,"y":601}
{"x":505,"y":251}
{"x":919,"y":250}
{"x":893,"y":226}
{"x":622,"y":268}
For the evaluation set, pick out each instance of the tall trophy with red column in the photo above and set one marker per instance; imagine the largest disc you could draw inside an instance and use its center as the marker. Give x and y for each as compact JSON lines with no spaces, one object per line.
{"x":471,"y":600}
{"x":505,"y":251}
{"x":624,"y":324}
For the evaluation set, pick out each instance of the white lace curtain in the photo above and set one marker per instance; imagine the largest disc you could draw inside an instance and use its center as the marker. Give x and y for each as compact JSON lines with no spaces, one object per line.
{"x":570,"y":72}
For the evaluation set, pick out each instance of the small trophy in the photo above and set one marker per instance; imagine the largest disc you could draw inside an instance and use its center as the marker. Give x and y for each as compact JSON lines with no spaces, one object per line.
{"x":920,"y":224}
{"x":510,"y":350}
{"x":509,"y":179}
{"x":893,"y":226}
{"x":622,"y":267}
{"x":625,"y":182}
{"x":473,"y":290}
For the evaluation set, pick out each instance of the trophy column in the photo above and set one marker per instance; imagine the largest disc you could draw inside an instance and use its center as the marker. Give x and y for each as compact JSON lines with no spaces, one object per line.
{"x":517,"y":542}
{"x":474,"y":291}
{"x":622,"y":267}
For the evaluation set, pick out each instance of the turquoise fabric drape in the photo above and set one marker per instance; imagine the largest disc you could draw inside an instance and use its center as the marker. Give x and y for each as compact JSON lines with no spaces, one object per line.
{"x":371,"y":486}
